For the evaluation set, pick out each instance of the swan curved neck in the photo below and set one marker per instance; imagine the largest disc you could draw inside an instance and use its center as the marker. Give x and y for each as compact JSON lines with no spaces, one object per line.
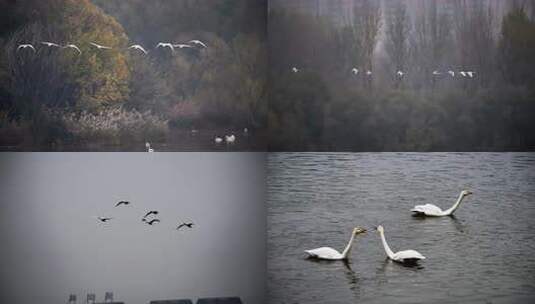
{"x":347,"y":250}
{"x":388,"y":251}
{"x":455,"y":206}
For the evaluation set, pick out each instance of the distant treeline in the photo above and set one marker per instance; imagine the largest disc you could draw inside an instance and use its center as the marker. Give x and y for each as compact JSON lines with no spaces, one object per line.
{"x":53,"y":96}
{"x":327,"y":107}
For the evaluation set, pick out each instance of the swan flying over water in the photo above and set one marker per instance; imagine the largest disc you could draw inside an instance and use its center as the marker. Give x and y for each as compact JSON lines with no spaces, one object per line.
{"x":432,"y":210}
{"x":328,"y":253}
{"x":138,"y":47}
{"x":405,"y":256}
{"x":98,"y":46}
{"x":23,"y":46}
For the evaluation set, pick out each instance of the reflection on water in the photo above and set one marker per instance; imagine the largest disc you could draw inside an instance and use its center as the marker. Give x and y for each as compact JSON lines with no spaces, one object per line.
{"x":200,"y":140}
{"x":482,"y":254}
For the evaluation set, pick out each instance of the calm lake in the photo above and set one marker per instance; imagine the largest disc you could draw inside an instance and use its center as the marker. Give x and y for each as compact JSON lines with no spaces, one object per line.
{"x":485,"y":254}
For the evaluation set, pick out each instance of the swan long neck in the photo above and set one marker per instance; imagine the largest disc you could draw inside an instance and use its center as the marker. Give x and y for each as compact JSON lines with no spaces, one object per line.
{"x":388,"y":251}
{"x":455,"y":206}
{"x":348,"y":247}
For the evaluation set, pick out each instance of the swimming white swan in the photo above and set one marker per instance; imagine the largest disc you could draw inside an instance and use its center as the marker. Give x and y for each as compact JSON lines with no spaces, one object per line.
{"x":405,"y":256}
{"x":432,"y":210}
{"x":328,"y":253}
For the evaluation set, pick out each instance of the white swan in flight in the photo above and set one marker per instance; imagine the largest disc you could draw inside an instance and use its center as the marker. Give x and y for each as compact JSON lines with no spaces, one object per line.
{"x":436,"y":73}
{"x":166,"y":44}
{"x":198,"y":42}
{"x":181,"y":46}
{"x":73,"y":46}
{"x":138,"y":47}
{"x":100,"y":47}
{"x":369,"y":73}
{"x":470,"y":74}
{"x":405,"y":256}
{"x":27,"y":45}
{"x":432,"y":210}
{"x":328,"y":253}
{"x":452,"y":73}
{"x":463,"y":73}
{"x":50,"y":44}
{"x":400,"y":73}
{"x":355,"y":71}
{"x":295,"y":70}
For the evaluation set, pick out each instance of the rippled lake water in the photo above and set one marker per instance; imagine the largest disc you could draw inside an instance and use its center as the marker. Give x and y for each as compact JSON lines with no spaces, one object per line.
{"x":485,"y":254}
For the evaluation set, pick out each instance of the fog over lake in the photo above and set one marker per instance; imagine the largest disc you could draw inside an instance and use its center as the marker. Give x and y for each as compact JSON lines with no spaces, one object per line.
{"x":52,"y":244}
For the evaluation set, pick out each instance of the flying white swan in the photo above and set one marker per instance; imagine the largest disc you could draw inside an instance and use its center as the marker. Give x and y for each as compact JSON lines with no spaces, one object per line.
{"x":405,"y":256}
{"x":400,"y":73}
{"x":181,"y":45}
{"x":198,"y":42}
{"x":436,"y":73}
{"x":328,"y":253}
{"x":73,"y":46}
{"x":452,"y":73}
{"x":463,"y":73}
{"x":369,"y":73}
{"x":166,"y":44}
{"x":50,"y":44}
{"x":23,"y":46}
{"x":100,"y":47}
{"x":355,"y":71}
{"x":432,"y":210}
{"x":295,"y":70}
{"x":470,"y":74}
{"x":138,"y":47}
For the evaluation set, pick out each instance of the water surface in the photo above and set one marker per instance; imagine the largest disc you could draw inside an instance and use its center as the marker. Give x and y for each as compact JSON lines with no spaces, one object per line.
{"x":485,"y":254}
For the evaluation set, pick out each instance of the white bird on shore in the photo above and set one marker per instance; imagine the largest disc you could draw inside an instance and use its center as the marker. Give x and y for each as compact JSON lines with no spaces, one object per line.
{"x":181,"y":46}
{"x":73,"y":46}
{"x":328,"y":253}
{"x":295,"y":70}
{"x":452,"y":73}
{"x":405,"y":256}
{"x":50,"y":44}
{"x":432,"y":210}
{"x":230,"y":138}
{"x":100,"y":47}
{"x":198,"y":42}
{"x":138,"y":47}
{"x":24,"y":46}
{"x":355,"y":71}
{"x":166,"y":44}
{"x":218,"y":140}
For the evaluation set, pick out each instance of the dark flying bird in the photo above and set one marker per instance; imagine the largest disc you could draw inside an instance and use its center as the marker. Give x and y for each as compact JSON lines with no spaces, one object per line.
{"x":189,"y":225}
{"x":104,"y":219}
{"x":122,"y":203}
{"x":149,"y":213}
{"x":151,"y":222}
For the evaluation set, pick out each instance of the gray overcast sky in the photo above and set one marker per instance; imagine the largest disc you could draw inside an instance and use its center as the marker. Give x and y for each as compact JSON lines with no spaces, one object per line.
{"x":52,"y":245}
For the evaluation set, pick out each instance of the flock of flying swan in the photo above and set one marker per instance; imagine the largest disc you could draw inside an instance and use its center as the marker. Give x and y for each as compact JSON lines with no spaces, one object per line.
{"x":405,"y":256}
{"x":149,"y":218}
{"x":192,"y":44}
{"x":400,"y":74}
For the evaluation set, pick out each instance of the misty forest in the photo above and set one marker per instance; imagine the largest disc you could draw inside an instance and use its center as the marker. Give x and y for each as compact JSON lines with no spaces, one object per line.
{"x":392,"y":75}
{"x":56,"y":95}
